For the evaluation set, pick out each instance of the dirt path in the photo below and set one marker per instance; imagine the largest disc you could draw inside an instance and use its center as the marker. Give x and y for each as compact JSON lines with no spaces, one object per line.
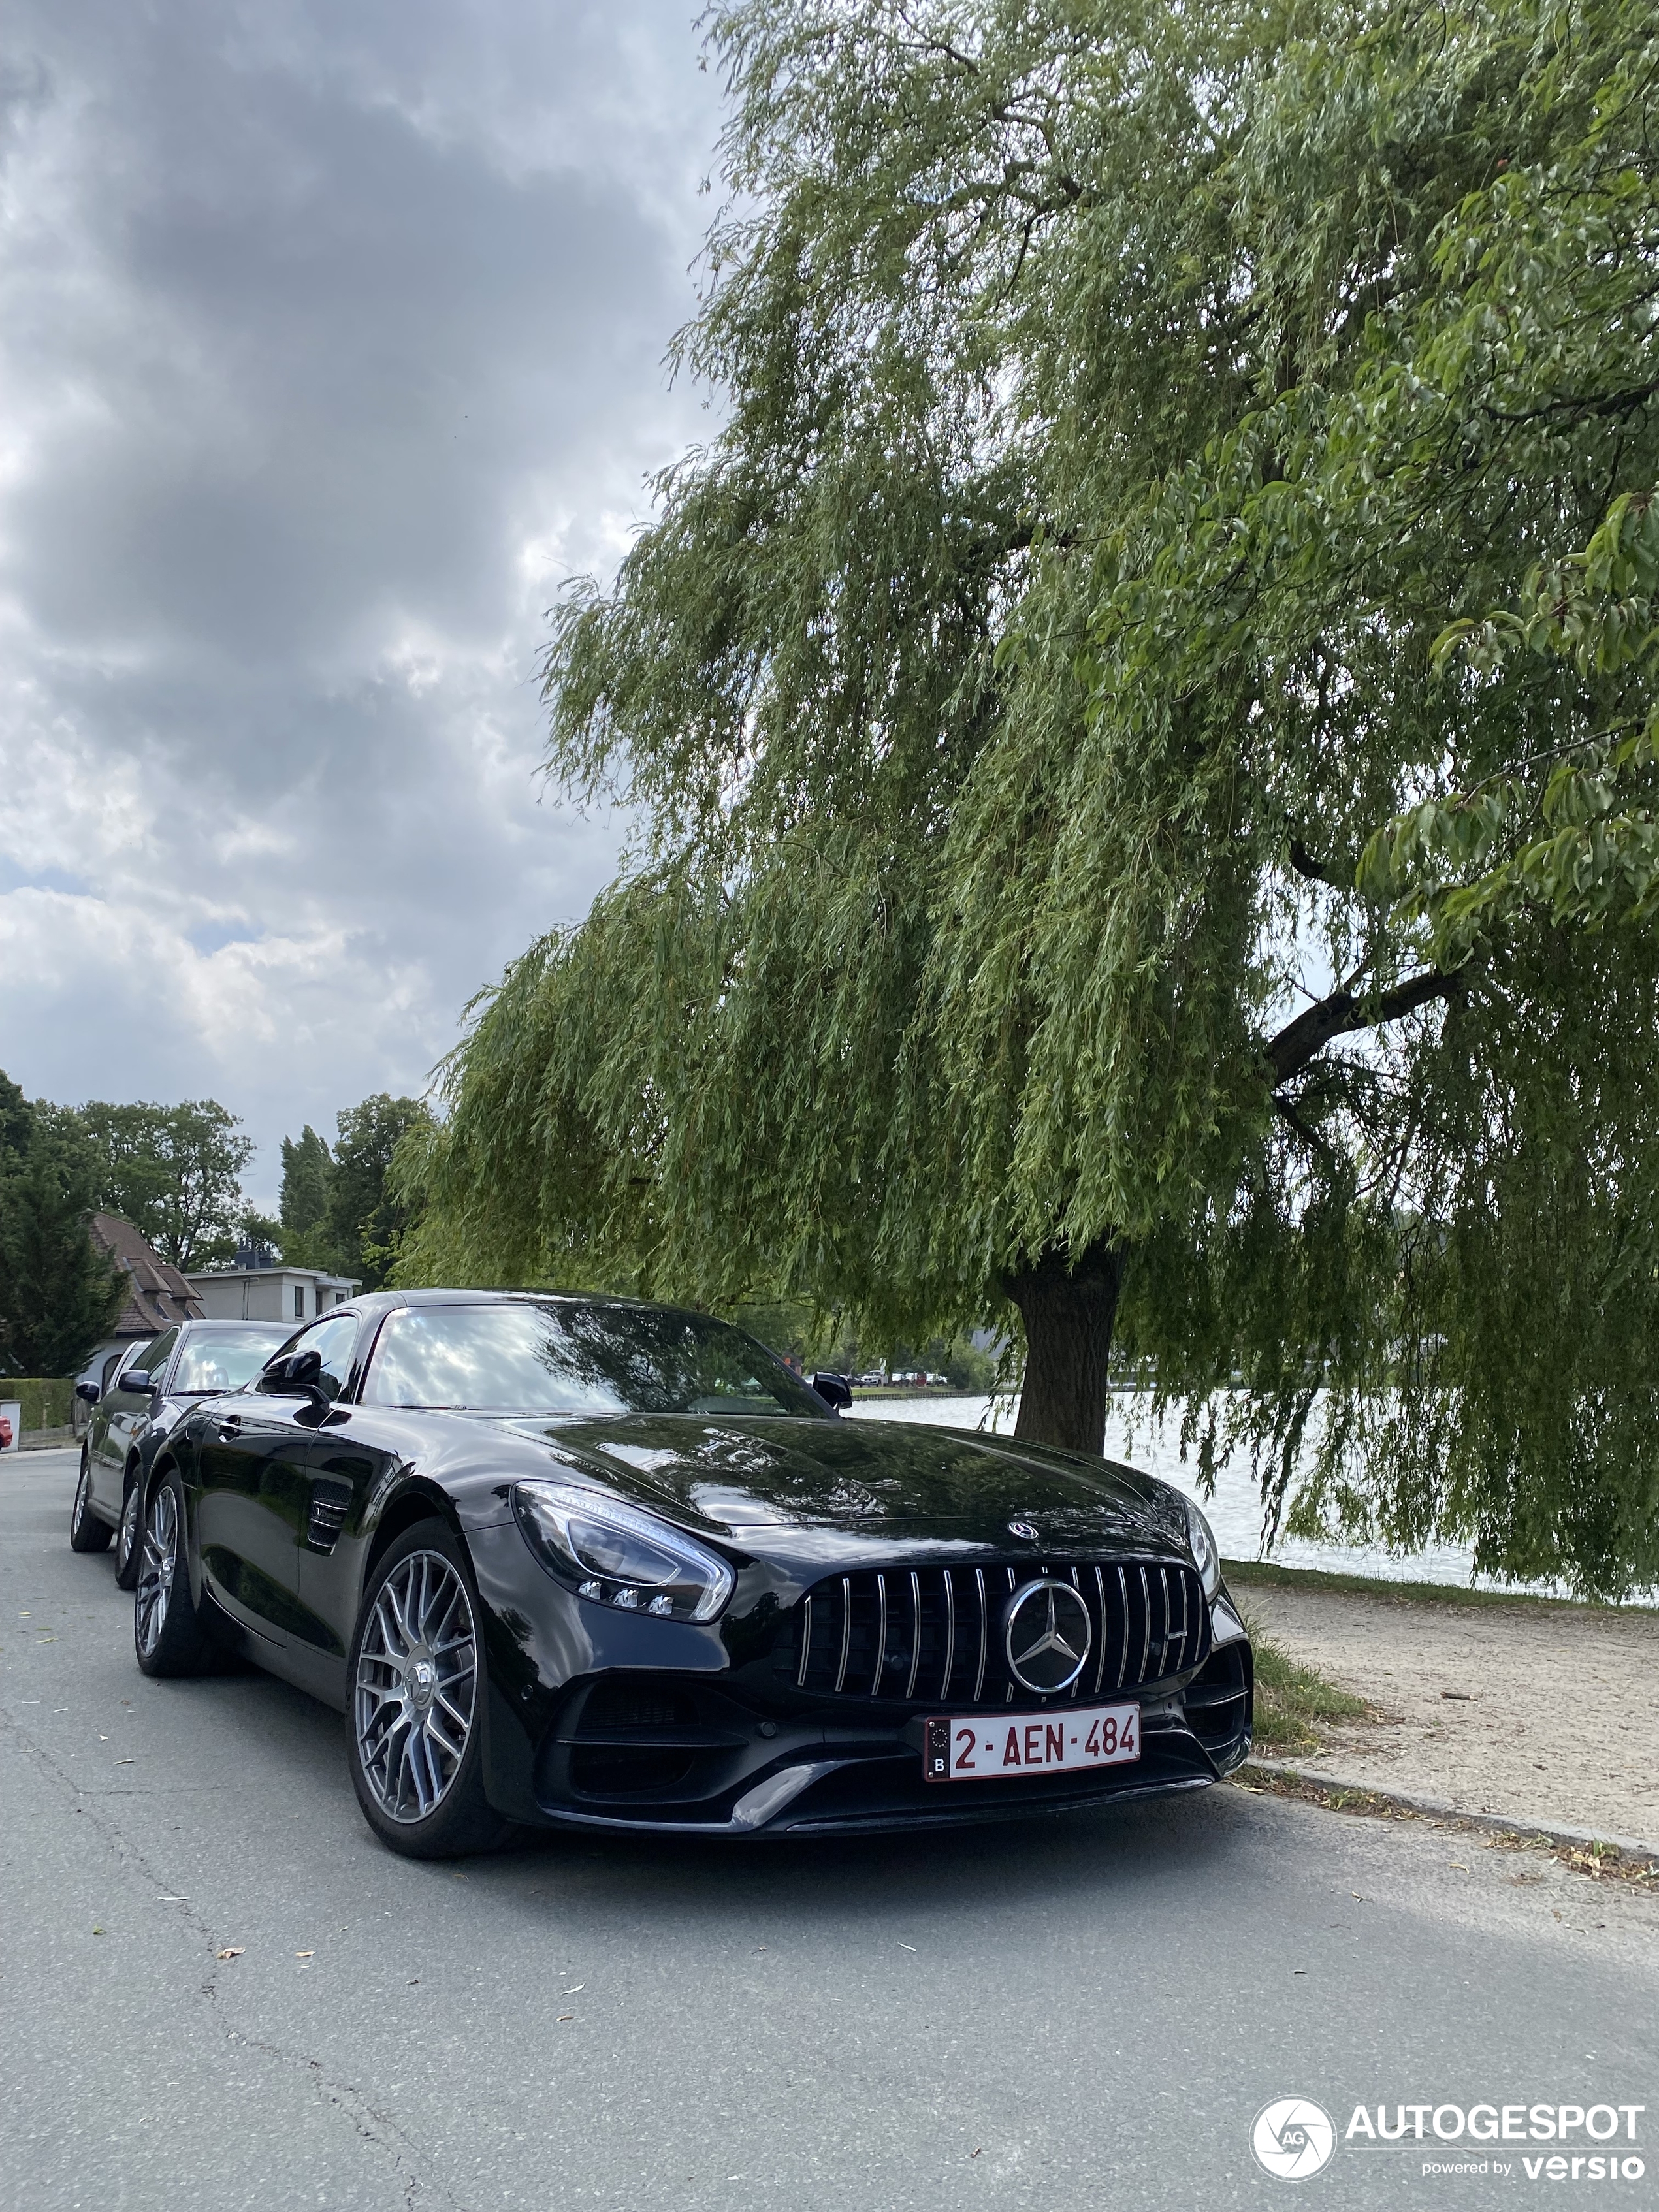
{"x":1556,"y":1719}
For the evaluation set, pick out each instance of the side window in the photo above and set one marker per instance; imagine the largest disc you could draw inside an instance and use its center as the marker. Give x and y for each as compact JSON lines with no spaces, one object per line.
{"x":299,"y":1302}
{"x":156,"y":1354}
{"x":334,"y":1341}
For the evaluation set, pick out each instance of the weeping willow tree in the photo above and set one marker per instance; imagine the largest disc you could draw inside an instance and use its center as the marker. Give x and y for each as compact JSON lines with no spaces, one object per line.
{"x":1061,"y":700}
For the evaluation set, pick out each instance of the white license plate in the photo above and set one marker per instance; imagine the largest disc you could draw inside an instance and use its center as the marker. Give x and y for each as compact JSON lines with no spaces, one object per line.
{"x":986,"y":1747}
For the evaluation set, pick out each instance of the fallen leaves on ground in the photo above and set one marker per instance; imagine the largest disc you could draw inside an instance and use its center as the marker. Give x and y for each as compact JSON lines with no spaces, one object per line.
{"x":1601,"y":1861}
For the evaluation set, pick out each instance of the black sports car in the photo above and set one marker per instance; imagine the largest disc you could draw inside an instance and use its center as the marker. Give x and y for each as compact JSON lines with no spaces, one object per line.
{"x":148,"y":1391}
{"x":589,"y":1562}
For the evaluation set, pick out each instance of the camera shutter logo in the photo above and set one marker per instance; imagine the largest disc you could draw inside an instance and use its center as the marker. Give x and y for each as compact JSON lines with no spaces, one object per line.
{"x":1293,"y":2138}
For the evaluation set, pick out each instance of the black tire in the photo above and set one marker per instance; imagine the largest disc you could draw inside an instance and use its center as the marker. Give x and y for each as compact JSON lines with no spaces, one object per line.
{"x":86,"y":1532}
{"x":129,"y":1548}
{"x":417,"y":1771}
{"x":168,"y":1634}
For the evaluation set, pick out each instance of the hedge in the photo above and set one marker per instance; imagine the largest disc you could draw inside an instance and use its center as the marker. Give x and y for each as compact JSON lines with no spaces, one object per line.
{"x":46,"y":1399}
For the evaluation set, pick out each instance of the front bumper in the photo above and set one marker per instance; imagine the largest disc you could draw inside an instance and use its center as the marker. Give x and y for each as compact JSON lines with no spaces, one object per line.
{"x":598,"y":1720}
{"x":808,"y":1774}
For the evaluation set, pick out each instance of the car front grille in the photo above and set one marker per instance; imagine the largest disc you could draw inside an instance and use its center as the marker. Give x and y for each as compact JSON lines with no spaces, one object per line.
{"x":934,"y":1635}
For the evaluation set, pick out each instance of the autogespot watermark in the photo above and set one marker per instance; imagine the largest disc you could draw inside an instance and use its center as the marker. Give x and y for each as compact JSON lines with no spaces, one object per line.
{"x":1293,"y":2138}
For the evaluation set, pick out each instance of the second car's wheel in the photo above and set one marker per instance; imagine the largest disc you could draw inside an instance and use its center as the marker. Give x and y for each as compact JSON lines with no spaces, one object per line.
{"x":167,"y":1628}
{"x":129,"y":1546}
{"x":416,"y":1684}
{"x":86,"y":1532}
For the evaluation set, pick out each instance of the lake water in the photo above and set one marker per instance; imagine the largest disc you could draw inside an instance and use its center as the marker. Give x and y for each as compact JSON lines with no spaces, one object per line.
{"x":1234,"y":1512}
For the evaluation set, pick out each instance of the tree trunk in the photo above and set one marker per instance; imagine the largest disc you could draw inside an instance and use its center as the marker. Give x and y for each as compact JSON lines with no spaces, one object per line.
{"x":1068,"y":1311}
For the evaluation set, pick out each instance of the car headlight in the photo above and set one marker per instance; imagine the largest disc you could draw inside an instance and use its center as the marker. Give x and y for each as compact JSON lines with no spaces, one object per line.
{"x":616,"y":1554}
{"x":1206,"y":1556}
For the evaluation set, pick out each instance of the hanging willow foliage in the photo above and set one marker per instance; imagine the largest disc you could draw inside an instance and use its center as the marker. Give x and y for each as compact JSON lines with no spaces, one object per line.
{"x":1136,"y":419}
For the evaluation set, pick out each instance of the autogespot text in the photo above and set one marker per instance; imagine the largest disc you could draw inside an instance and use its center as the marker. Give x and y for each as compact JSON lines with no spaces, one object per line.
{"x":1573,"y":2125}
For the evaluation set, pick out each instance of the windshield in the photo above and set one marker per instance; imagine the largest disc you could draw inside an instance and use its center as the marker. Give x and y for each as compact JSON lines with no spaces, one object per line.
{"x":532,"y":1358}
{"x":224,"y":1359}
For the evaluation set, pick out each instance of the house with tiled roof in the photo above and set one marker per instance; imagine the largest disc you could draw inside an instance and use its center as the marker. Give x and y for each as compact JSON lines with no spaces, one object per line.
{"x":157,"y":1297}
{"x":157,"y":1294}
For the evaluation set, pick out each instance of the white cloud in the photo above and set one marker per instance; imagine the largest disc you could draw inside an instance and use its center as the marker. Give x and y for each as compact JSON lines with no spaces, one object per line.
{"x":330,"y":342}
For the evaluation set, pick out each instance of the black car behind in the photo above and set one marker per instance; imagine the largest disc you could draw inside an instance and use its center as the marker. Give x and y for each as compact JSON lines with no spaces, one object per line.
{"x":143,"y":1398}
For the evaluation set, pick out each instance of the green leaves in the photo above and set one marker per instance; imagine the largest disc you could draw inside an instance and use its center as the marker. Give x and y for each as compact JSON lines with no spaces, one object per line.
{"x":1114,"y":661}
{"x":175,"y":1172}
{"x":58,"y":1294}
{"x":1577,"y":839}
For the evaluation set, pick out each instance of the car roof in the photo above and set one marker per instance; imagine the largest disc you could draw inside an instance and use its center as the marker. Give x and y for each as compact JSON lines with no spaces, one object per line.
{"x":370,"y":1305}
{"x":375,"y":1301}
{"x":206,"y":1321}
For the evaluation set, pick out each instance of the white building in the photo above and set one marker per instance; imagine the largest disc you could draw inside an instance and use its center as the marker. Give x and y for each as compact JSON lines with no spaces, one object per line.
{"x":275,"y":1293}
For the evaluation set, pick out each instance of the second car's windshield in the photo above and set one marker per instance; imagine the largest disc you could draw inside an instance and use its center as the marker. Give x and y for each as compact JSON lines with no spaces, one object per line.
{"x":529,"y":1358}
{"x":224,"y":1359}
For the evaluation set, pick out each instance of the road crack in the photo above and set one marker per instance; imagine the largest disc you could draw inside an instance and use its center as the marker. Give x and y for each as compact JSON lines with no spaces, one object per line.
{"x":370,"y":2124}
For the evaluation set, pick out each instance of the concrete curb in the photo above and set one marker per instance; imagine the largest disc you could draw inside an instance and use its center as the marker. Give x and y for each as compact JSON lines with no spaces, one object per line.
{"x":1287,"y":1769}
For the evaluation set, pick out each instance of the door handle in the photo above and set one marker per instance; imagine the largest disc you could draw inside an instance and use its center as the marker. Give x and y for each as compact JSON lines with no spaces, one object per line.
{"x":230,"y":1428}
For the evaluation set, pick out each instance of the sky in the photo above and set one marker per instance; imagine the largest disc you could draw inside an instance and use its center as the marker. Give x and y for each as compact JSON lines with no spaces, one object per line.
{"x":331,"y":344}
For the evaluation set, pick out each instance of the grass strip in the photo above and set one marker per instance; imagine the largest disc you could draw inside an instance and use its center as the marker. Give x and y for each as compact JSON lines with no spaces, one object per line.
{"x":1291,"y":1699}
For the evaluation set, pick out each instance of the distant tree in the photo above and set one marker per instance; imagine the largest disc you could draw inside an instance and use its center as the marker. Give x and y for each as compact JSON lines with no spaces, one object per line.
{"x":175,"y":1172}
{"x":16,"y":1119}
{"x":58,"y":1294}
{"x":369,"y":1215}
{"x":308,"y":1177}
{"x":259,"y":1233}
{"x":967,"y":1368}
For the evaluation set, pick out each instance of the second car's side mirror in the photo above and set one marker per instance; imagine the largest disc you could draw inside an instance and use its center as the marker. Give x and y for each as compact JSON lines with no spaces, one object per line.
{"x":136,"y":1380}
{"x":833,"y":1389}
{"x":89,"y":1391}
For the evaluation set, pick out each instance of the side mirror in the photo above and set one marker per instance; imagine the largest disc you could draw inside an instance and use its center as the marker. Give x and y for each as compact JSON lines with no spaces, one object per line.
{"x":296,"y":1375}
{"x":136,"y":1380}
{"x":833,"y":1389}
{"x":89,"y":1391}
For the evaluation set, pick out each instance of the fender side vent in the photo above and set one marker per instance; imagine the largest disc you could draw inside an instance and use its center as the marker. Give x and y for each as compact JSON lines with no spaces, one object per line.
{"x":330,"y":1503}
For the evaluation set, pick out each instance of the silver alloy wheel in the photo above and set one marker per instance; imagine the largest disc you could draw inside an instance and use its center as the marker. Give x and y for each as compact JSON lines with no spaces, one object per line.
{"x":82,"y":1492}
{"x":417,"y":1670}
{"x":160,"y":1563}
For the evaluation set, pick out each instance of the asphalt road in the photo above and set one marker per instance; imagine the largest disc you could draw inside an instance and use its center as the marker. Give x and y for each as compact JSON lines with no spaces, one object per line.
{"x":1071,"y":2015}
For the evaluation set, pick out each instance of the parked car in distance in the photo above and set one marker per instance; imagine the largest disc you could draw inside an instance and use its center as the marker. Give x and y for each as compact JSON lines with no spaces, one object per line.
{"x":152,"y":1386}
{"x":592,"y":1563}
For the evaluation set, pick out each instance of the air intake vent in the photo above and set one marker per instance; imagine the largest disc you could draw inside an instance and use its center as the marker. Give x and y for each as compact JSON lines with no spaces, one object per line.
{"x":625,"y":1705}
{"x":933,"y":1636}
{"x":330,"y":1503}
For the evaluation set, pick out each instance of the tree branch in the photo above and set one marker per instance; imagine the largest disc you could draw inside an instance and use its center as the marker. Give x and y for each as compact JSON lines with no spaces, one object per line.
{"x":1313,"y":1139}
{"x":1312,"y":870}
{"x":1300,"y":1041}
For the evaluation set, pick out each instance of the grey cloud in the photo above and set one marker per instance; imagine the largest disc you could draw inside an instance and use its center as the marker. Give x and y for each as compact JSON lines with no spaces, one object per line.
{"x":330,"y":341}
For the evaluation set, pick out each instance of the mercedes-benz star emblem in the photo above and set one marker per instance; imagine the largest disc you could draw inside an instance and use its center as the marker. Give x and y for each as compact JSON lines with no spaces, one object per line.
{"x":1048,"y":1637}
{"x":1022,"y":1528}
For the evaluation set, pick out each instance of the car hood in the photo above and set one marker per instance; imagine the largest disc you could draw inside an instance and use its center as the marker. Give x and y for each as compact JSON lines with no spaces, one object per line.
{"x":738,"y":1476}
